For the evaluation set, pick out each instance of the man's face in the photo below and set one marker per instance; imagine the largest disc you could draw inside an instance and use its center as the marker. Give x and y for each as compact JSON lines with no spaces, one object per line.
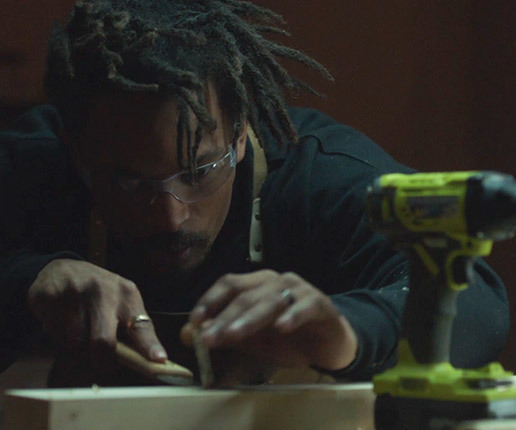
{"x":136,"y":136}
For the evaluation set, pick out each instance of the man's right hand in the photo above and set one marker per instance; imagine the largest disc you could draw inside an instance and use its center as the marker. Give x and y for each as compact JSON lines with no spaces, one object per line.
{"x":83,"y":307}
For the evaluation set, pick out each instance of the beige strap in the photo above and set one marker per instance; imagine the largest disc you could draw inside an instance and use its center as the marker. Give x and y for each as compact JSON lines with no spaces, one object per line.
{"x":260,"y":163}
{"x":259,"y":175}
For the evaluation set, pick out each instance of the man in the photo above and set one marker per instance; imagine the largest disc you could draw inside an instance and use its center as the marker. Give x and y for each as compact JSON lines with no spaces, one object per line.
{"x":144,"y":168}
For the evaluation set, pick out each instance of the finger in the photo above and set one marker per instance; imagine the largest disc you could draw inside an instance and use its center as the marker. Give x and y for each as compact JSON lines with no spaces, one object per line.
{"x":61,"y":321}
{"x":142,"y":334}
{"x":273,"y":298}
{"x":314,"y":307}
{"x":262,"y":315}
{"x":103,"y":329}
{"x":67,"y":327}
{"x":76,"y":329}
{"x":225,"y":290}
{"x":186,"y":334}
{"x":40,"y":304}
{"x":145,"y":340}
{"x":251,"y":311}
{"x":215,"y":334}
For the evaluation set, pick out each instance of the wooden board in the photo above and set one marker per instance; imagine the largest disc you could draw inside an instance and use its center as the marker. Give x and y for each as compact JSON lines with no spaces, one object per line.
{"x":295,"y":407}
{"x":27,"y":373}
{"x":487,"y":425}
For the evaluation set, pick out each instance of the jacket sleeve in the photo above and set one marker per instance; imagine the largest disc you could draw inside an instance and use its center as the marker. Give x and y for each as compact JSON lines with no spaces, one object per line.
{"x":20,"y":263}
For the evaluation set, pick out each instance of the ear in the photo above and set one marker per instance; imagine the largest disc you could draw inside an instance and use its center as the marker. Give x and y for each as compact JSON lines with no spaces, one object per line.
{"x":241,"y":142}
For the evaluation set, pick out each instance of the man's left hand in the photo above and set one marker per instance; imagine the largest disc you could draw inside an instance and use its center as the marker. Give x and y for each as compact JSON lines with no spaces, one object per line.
{"x":280,"y":318}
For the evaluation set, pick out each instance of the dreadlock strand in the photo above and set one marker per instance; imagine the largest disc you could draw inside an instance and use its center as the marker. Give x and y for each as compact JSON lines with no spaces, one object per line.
{"x":189,"y":146}
{"x":263,"y":29}
{"x":142,"y":44}
{"x":279,"y":108}
{"x":203,"y":18}
{"x":132,"y":87}
{"x":284,"y":118}
{"x":188,"y":37}
{"x":293,"y":54}
{"x":300,"y":85}
{"x":233,"y":68}
{"x":82,"y":10}
{"x":177,"y":76}
{"x":252,"y":11}
{"x":197,"y":142}
{"x":119,"y":20}
{"x":61,"y":45}
{"x":113,"y":60}
{"x":261,"y":100}
{"x":260,"y":52}
{"x":180,"y":134}
{"x":253,"y":117}
{"x":196,"y":103}
{"x":241,"y":101}
{"x":90,"y":41}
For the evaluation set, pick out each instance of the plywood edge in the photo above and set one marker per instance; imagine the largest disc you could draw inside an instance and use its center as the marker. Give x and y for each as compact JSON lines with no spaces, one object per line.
{"x":105,"y":393}
{"x":487,"y":425}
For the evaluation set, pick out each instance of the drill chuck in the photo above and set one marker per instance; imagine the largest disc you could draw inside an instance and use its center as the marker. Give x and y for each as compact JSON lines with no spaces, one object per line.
{"x":491,"y":206}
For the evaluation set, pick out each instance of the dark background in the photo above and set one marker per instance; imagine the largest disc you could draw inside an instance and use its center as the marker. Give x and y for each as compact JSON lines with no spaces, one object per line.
{"x":433,"y":82}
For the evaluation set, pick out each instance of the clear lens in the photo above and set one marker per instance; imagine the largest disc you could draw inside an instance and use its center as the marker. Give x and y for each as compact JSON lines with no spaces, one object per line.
{"x":184,"y":186}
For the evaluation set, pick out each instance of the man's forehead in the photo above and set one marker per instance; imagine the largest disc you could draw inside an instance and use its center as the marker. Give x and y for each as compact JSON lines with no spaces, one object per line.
{"x":152,"y":106}
{"x":144,"y":113}
{"x":110,"y":111}
{"x":133,"y":133}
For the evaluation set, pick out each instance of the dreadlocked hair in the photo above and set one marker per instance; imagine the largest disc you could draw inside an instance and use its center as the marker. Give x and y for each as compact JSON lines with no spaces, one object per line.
{"x":172,"y":48}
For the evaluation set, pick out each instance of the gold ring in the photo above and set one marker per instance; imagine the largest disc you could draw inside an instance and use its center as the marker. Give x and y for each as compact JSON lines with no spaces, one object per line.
{"x":289,"y":296}
{"x":137,"y":319}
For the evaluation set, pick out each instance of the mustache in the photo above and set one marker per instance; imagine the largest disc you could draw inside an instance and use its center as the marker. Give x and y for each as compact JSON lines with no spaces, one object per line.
{"x":171,"y":242}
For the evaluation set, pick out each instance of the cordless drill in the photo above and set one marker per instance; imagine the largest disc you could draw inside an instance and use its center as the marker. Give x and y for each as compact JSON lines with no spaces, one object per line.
{"x":443,"y":222}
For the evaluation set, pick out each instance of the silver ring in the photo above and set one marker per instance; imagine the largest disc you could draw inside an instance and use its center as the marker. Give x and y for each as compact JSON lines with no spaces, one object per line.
{"x":137,"y":319}
{"x":289,"y":296}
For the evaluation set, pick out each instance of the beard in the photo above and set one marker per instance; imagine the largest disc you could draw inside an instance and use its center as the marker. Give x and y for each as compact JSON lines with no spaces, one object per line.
{"x":168,"y":253}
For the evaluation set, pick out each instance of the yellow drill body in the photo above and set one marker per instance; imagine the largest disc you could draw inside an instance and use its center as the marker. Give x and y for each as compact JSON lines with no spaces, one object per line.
{"x":426,"y":212}
{"x":443,"y":222}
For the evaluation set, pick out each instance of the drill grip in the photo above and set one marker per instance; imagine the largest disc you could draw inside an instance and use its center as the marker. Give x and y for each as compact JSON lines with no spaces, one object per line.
{"x":429,"y":312}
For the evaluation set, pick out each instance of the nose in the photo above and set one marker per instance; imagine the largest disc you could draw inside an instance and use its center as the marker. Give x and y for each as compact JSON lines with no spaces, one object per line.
{"x":169,"y":212}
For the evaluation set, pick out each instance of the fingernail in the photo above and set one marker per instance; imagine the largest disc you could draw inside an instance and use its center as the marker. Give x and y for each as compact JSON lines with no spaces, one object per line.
{"x":211,"y":331}
{"x":158,"y":354}
{"x":284,"y":319}
{"x":198,"y":313}
{"x":237,"y":325}
{"x":206,"y":324}
{"x":210,"y":336}
{"x":283,"y":322}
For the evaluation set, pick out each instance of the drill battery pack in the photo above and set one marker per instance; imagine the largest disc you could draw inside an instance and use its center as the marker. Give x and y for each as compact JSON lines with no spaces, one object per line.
{"x":437,"y":396}
{"x":398,"y":413}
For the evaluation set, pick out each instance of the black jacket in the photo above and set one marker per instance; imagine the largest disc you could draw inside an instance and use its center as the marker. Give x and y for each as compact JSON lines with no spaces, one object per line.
{"x":313,"y":221}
